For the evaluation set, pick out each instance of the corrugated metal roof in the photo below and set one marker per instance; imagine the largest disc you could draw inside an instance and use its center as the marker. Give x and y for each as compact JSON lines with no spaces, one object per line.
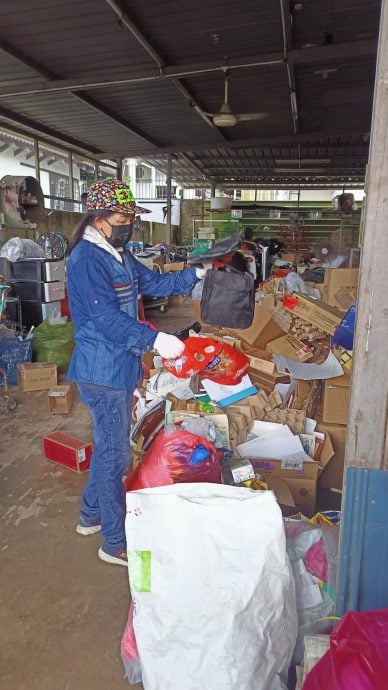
{"x":64,"y":44}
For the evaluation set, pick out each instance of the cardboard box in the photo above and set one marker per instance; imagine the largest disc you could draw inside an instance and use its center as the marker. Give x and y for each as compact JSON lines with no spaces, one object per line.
{"x":173,"y":267}
{"x":336,"y":400}
{"x":339,"y":280}
{"x":36,"y":376}
{"x":327,"y":453}
{"x":332,"y":475}
{"x":60,"y":399}
{"x":68,"y":451}
{"x":301,"y":483}
{"x":263,"y":330}
{"x":260,"y":361}
{"x":317,"y":313}
{"x":267,"y":382}
{"x":290,"y":346}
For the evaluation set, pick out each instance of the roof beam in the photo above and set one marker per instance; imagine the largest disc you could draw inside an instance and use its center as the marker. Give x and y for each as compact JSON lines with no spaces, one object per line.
{"x":98,"y":80}
{"x":116,"y":118}
{"x":333,"y":52}
{"x":287,"y":46}
{"x":312,"y":138}
{"x":51,"y":76}
{"x":353,"y":49}
{"x":132,"y":27}
{"x":16,"y":118}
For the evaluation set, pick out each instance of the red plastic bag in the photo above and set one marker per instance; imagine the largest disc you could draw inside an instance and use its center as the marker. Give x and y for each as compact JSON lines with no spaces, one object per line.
{"x":357,"y":658}
{"x":173,"y":458}
{"x":198,"y":353}
{"x":215,"y":360}
{"x":228,"y":367}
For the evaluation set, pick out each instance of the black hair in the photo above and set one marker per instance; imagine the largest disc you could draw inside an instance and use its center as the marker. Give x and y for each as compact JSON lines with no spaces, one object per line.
{"x":79,"y":230}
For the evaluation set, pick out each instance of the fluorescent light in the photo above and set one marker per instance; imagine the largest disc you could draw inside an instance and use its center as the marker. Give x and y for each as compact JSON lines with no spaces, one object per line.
{"x":300,"y":170}
{"x":315,"y":161}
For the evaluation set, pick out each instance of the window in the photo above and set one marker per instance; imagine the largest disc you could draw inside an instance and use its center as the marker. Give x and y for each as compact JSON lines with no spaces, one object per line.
{"x":161,"y":191}
{"x":54,"y":164}
{"x":106,"y":169}
{"x":84,"y":175}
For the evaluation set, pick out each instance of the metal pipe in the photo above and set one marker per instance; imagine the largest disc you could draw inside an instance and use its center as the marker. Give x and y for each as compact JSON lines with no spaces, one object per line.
{"x":131,"y":26}
{"x":168,"y":185}
{"x":168,"y":73}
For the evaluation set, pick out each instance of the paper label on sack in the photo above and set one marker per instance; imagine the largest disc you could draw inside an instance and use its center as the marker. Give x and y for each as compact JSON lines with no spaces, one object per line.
{"x":242,"y":473}
{"x":81,"y":454}
{"x":139,"y":567}
{"x":295,"y":461}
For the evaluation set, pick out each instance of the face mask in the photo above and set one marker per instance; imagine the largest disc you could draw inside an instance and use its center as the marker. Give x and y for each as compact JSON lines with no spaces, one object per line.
{"x":121,"y":234}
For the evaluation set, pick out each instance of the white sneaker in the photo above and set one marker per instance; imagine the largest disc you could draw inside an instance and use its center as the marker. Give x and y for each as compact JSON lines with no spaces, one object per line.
{"x":85,"y":531}
{"x":120,"y":558}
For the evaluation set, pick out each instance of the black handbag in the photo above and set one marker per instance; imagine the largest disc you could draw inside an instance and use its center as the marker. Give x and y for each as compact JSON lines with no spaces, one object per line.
{"x":228,"y":298}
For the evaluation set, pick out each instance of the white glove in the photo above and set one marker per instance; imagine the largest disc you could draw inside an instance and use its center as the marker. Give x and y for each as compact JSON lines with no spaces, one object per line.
{"x":201,"y":272}
{"x":168,"y":346}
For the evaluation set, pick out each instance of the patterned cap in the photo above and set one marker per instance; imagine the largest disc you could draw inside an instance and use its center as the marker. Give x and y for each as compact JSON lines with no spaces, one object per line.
{"x":111,"y":195}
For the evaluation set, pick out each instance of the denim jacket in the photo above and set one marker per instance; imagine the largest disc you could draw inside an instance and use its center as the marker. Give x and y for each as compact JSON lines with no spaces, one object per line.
{"x":103,"y":298}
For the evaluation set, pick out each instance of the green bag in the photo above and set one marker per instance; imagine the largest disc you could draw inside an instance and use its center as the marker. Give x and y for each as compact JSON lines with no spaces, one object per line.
{"x":54,"y":343}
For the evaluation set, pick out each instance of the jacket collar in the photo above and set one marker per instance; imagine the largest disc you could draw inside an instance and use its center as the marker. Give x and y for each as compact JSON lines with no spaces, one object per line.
{"x":92,"y":235}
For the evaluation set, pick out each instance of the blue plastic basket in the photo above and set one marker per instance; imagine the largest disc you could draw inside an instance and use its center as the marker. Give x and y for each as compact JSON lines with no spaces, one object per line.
{"x":344,"y":334}
{"x":13,"y":351}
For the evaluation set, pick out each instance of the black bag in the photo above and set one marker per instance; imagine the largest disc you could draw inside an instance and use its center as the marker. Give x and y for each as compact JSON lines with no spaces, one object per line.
{"x":228,"y":298}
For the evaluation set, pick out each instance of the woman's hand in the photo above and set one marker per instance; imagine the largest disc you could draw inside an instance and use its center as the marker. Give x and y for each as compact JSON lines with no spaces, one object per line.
{"x":168,"y":346}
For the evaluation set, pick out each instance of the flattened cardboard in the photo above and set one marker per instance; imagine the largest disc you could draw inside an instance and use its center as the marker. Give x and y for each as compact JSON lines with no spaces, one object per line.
{"x":339,"y":280}
{"x":301,"y":483}
{"x":332,"y":475}
{"x":336,"y":400}
{"x":291,"y":347}
{"x":173,"y":267}
{"x":263,"y":329}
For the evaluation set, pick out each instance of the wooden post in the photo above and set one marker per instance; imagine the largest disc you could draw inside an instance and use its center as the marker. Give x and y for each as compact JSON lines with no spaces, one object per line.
{"x":367,"y":442}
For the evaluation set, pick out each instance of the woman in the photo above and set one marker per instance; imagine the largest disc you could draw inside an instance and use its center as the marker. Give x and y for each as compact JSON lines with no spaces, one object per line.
{"x":103,"y":281}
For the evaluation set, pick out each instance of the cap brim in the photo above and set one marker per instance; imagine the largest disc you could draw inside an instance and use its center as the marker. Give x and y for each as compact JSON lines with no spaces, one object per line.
{"x":139,"y":210}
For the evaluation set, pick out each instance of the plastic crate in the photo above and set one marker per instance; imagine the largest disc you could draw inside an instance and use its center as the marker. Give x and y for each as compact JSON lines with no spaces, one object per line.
{"x":13,"y":351}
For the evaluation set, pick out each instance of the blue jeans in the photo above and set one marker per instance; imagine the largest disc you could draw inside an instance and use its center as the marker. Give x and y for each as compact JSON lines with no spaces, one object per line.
{"x":103,"y":500}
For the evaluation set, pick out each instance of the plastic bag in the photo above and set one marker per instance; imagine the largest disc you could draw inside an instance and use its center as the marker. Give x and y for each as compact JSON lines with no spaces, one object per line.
{"x":357,"y":658}
{"x":216,"y":360}
{"x":18,"y":248}
{"x":173,"y":458}
{"x":129,"y":651}
{"x":214,"y":595}
{"x":54,"y":343}
{"x":313,"y":552}
{"x":198,"y":353}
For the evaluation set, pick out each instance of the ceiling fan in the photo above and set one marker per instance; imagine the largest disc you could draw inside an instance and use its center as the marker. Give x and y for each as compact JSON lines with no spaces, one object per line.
{"x":226,"y":117}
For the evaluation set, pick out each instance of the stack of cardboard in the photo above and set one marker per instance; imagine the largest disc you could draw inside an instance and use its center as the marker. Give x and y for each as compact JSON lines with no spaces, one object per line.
{"x":288,"y":417}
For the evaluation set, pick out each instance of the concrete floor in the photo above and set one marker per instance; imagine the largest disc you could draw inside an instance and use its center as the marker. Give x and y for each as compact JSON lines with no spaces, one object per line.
{"x":62,"y":611}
